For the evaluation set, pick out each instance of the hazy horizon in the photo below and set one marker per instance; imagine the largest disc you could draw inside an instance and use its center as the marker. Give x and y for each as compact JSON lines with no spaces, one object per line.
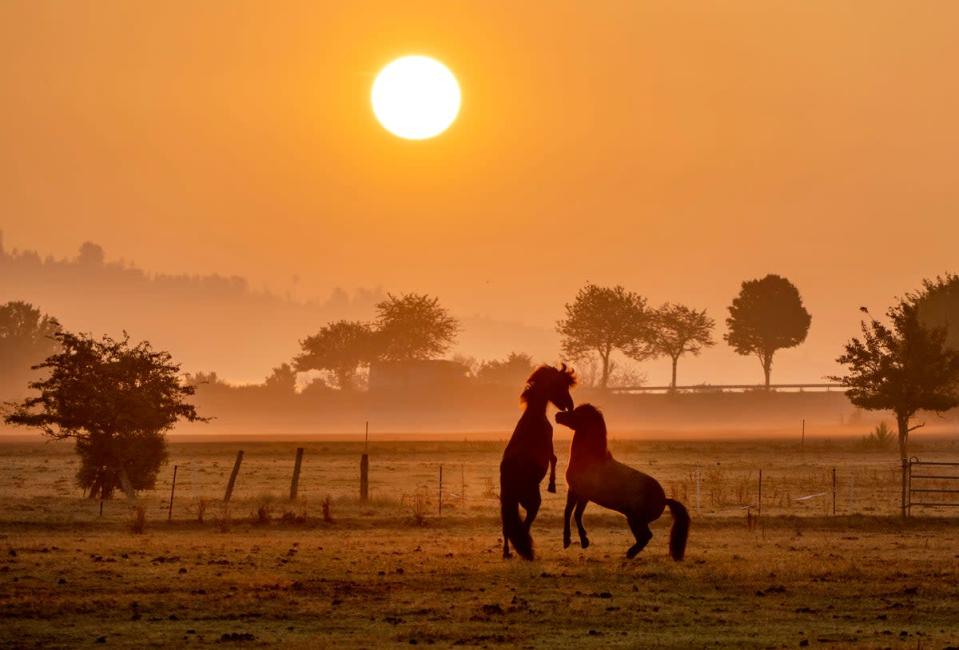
{"x":93,"y":300}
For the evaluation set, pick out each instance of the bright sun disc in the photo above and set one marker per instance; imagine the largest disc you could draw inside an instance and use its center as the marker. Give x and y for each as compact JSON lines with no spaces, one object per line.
{"x":415,"y":97}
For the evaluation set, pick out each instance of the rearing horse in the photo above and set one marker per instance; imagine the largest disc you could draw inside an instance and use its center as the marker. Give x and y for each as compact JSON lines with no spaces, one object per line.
{"x":529,"y":454}
{"x":594,"y":475}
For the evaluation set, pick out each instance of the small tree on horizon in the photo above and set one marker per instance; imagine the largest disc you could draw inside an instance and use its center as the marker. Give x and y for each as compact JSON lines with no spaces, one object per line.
{"x":767,"y":315}
{"x":903,"y":367}
{"x":515,"y":369}
{"x":340,"y":347}
{"x":116,"y":400}
{"x":414,"y":326}
{"x":602,"y":320}
{"x":680,"y":330}
{"x":281,"y":380}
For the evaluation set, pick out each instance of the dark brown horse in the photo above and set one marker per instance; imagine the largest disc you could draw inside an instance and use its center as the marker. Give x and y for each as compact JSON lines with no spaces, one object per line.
{"x":529,"y":455}
{"x":593,"y":475}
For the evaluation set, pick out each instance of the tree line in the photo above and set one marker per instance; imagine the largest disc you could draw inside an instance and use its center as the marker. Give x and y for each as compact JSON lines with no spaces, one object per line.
{"x":117,"y":399}
{"x":599,"y":323}
{"x":767,"y":315}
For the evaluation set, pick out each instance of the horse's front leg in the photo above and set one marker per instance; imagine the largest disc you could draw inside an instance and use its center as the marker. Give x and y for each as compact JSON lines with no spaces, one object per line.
{"x":580,"y":507}
{"x":567,"y":514}
{"x":551,"y":486}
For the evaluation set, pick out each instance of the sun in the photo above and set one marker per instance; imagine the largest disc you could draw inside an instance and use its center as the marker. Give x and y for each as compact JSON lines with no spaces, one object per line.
{"x":415,"y":97}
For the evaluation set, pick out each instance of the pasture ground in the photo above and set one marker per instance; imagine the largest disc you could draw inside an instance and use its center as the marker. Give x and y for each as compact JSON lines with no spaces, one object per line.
{"x":271,"y":572}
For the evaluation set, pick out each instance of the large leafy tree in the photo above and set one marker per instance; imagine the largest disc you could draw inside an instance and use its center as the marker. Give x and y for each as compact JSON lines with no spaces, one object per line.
{"x":903,"y":367}
{"x":681,"y":330}
{"x":939,"y":306}
{"x":414,"y":326}
{"x":26,"y":338}
{"x":116,"y":400}
{"x":767,"y":315}
{"x":603,"y":320}
{"x":341,"y":348}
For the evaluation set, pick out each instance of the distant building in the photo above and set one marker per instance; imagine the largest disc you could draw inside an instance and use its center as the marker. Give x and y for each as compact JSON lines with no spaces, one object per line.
{"x":416,"y":377}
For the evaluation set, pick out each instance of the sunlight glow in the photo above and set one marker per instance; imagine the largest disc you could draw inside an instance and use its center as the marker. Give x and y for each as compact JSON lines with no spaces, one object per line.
{"x":415,"y":97}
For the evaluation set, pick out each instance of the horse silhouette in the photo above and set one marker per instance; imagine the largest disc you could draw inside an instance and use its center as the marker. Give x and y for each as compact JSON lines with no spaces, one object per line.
{"x":529,"y":454}
{"x":593,"y":475}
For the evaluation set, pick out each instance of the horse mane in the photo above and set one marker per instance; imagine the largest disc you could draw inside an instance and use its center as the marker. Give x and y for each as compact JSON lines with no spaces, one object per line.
{"x":545,"y":373}
{"x":594,"y":436}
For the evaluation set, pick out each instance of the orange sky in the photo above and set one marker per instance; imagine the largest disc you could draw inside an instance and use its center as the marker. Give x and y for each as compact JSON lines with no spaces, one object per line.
{"x":674,"y":147}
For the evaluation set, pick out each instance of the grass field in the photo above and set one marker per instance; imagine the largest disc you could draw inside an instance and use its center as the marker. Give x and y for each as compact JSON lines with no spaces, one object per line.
{"x":272,"y":572}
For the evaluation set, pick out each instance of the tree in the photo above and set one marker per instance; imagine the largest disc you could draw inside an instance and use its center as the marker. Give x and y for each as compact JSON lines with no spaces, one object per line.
{"x":766,"y":316}
{"x":939,"y":306}
{"x":904,"y":367}
{"x":602,"y":320}
{"x":414,"y":326}
{"x":680,"y":330}
{"x":91,"y":254}
{"x":282,"y":380}
{"x":340,"y":347}
{"x":26,"y":338}
{"x":116,"y":400}
{"x":512,"y":371}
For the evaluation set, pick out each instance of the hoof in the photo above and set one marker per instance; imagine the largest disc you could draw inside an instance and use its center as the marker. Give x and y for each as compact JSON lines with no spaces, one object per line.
{"x":584,"y":542}
{"x":551,"y":488}
{"x":631,"y":553}
{"x":507,"y":555}
{"x":566,"y":542}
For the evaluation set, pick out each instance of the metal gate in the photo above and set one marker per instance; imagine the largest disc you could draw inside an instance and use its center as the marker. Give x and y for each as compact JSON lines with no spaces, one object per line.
{"x":922,"y":480}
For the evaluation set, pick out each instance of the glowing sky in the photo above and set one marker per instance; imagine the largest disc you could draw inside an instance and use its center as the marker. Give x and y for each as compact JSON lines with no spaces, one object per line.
{"x":674,"y":147}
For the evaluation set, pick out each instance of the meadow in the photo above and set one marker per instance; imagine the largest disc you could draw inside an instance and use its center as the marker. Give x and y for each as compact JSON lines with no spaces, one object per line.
{"x":326,"y":570}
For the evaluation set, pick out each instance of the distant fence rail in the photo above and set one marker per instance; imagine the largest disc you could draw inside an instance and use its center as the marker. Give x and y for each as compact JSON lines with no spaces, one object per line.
{"x":719,"y":388}
{"x":925,"y":482}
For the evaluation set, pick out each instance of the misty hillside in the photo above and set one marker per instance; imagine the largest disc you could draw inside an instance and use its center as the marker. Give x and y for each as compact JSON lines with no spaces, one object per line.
{"x":212,"y":322}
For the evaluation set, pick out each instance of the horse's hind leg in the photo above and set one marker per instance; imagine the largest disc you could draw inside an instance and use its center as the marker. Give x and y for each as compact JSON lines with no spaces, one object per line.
{"x":567,"y":514}
{"x":580,"y":507}
{"x":641,"y":532}
{"x":531,"y":504}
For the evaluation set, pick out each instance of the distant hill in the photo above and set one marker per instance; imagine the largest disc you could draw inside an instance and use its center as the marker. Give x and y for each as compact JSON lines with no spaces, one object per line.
{"x":213,"y":322}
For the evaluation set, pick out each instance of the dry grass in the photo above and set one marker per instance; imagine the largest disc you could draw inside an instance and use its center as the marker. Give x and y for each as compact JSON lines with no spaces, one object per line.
{"x":853,"y":583}
{"x":371,"y":578}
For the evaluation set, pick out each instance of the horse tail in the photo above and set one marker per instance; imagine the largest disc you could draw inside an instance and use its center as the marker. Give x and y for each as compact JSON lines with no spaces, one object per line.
{"x":513,"y":527}
{"x":679,"y":533}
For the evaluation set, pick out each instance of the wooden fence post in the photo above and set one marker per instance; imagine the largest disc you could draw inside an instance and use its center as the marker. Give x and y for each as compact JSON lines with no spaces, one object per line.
{"x":295,"y":481}
{"x":834,"y":491}
{"x":759,"y":501}
{"x":905,"y":489}
{"x":169,"y":516}
{"x":364,"y":478}
{"x":233,"y":475}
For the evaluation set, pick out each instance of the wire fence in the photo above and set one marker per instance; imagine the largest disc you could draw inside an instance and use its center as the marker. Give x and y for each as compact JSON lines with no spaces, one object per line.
{"x":426,"y":484}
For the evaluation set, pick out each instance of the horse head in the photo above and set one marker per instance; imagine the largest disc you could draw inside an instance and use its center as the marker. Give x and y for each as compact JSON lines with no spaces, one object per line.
{"x":551,"y":384}
{"x":589,"y":429}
